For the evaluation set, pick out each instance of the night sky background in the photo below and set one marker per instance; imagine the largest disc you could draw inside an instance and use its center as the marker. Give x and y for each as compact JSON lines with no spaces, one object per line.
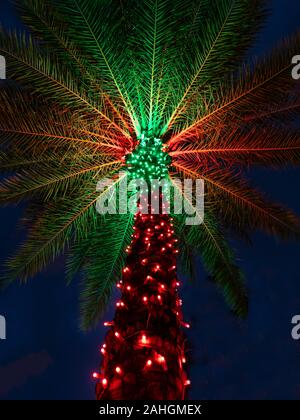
{"x":46,"y":356}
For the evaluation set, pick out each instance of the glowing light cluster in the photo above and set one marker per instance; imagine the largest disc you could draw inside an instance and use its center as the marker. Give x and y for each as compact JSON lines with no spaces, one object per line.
{"x":149,"y":160}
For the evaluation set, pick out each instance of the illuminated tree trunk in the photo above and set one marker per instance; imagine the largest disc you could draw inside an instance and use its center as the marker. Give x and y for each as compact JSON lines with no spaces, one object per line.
{"x":144,"y":350}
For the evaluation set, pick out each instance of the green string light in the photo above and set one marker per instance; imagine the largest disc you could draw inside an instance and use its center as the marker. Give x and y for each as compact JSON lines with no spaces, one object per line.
{"x":149,"y":160}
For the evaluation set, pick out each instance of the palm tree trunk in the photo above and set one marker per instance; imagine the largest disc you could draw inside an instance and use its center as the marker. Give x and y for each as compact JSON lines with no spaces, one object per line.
{"x":144,"y":350}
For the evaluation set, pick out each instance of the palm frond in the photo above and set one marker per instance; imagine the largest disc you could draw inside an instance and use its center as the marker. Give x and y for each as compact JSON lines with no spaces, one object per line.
{"x":268,"y":146}
{"x":223,"y":43}
{"x":48,"y":25}
{"x":44,"y":74}
{"x":266,"y":82}
{"x":54,"y":229}
{"x":101,"y":41}
{"x":49,"y":181}
{"x":28,"y":118}
{"x":104,"y":256}
{"x":244,"y":206}
{"x":208,"y":241}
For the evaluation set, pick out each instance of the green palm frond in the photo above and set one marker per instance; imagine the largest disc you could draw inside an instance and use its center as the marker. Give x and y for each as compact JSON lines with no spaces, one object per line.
{"x":100,"y":257}
{"x":49,"y":26}
{"x":102,"y":42}
{"x":223,"y":41}
{"x":208,"y":241}
{"x":56,"y":226}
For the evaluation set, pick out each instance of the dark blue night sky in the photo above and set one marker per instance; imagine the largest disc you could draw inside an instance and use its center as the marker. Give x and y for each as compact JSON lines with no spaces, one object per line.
{"x":45,"y":355}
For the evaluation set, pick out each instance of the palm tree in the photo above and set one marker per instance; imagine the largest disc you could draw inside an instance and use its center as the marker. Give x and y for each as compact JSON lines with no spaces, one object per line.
{"x":92,"y":83}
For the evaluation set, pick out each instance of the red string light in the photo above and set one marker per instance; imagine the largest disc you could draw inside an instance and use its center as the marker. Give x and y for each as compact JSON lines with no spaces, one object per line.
{"x":142,"y":332}
{"x":161,"y":359}
{"x":118,"y":370}
{"x":144,"y":339}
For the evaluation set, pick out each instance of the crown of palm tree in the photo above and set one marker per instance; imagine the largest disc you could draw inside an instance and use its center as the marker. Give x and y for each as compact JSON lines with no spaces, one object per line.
{"x":89,"y":77}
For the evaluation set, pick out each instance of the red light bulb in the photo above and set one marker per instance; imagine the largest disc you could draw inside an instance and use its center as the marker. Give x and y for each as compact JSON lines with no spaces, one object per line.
{"x":144,"y":339}
{"x":160,"y":359}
